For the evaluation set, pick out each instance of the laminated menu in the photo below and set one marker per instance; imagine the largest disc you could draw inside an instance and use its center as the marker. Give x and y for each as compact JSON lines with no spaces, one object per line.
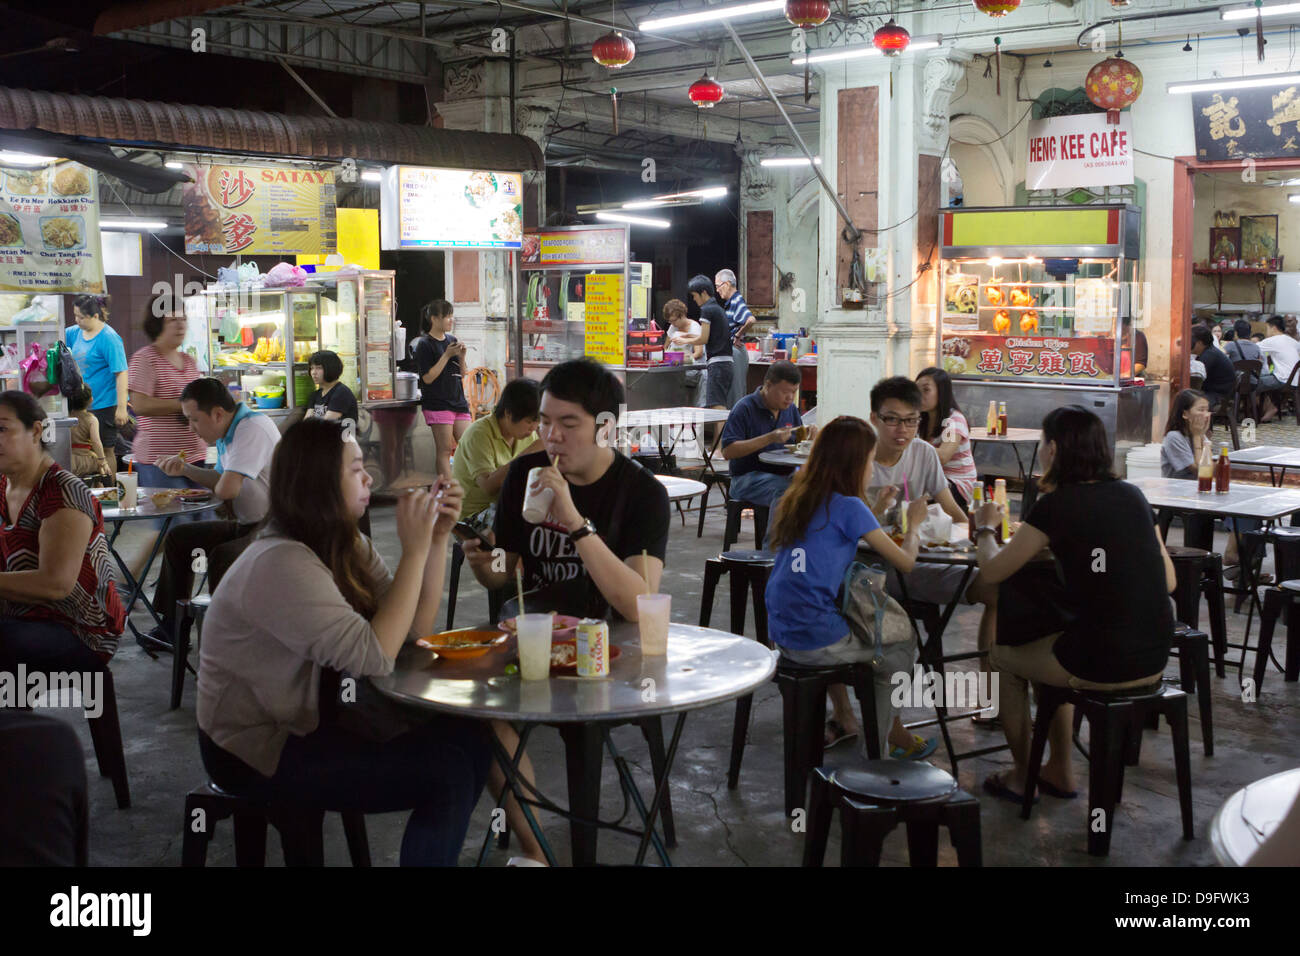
{"x":49,"y":229}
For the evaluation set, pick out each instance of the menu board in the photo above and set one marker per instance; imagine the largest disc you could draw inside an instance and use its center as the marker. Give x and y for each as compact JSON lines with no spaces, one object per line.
{"x":259,"y":210}
{"x":421,"y":207}
{"x":604,"y":299}
{"x":586,"y":246}
{"x":49,"y":229}
{"x":378,"y":305}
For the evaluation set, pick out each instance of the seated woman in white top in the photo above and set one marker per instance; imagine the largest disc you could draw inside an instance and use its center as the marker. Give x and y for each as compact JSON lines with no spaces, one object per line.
{"x":308,"y":599}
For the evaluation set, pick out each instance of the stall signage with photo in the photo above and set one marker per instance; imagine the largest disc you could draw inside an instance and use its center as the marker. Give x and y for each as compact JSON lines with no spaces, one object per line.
{"x":259,"y":210}
{"x":1069,"y":151}
{"x":1261,"y":124}
{"x":421,"y":207}
{"x":49,"y":229}
{"x":604,"y":300}
{"x":575,"y":247}
{"x":1054,"y":359}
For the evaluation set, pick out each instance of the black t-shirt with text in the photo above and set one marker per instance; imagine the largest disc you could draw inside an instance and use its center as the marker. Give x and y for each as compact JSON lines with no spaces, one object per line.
{"x":340,"y":399}
{"x":628,"y":506}
{"x":719,"y":343}
{"x":446,"y":393}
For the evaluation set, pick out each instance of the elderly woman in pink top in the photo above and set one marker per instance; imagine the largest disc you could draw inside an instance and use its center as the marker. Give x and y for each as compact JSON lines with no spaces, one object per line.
{"x":157,"y":375}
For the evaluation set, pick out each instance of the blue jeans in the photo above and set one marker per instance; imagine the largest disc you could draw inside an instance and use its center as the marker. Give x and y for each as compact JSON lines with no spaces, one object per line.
{"x":759,"y":487}
{"x":44,"y":646}
{"x":436,"y":770}
{"x":151,"y":476}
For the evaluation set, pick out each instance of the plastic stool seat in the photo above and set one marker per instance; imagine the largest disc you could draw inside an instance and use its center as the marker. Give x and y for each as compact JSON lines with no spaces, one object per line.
{"x":1292,"y":586}
{"x":750,"y":557}
{"x":895,"y":781}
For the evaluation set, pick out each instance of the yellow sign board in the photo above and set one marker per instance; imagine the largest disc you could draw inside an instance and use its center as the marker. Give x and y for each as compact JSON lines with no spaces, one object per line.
{"x":358,"y":241}
{"x":605,"y":310}
{"x":259,"y":210}
{"x":1048,"y":227}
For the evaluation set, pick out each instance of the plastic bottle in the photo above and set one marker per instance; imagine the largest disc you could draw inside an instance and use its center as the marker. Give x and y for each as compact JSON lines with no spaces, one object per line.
{"x":976,"y":502}
{"x":1222,"y":472}
{"x":1002,"y":419}
{"x":992,"y":421}
{"x":1205,"y":470}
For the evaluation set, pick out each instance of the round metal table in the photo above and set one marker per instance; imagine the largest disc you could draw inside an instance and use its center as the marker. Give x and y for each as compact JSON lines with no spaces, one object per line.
{"x":787,"y":458}
{"x":681,"y":489}
{"x":703,"y":667}
{"x":1249,"y":816}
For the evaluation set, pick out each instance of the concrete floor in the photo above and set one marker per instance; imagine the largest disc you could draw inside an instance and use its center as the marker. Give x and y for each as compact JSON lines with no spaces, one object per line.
{"x":717,"y":826}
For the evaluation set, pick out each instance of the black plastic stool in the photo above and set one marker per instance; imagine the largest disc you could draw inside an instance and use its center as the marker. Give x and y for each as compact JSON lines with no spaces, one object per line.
{"x":1200,"y":573}
{"x":876,"y":797}
{"x":188,"y":613}
{"x":300,"y":828}
{"x":495,"y":600}
{"x":1286,"y":596}
{"x":803,"y":702}
{"x":106,"y":736}
{"x":732,"y":533}
{"x":1193,"y":649}
{"x":711,"y":478}
{"x":748,"y":571}
{"x":1113,"y":716}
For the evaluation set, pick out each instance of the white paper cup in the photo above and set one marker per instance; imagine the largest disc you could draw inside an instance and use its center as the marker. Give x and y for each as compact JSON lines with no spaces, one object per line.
{"x":537,"y":504}
{"x":130,"y":483}
{"x":653,"y":612}
{"x":534,"y":636}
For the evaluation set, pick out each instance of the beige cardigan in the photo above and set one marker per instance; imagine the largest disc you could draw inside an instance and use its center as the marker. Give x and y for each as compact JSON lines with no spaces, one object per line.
{"x":274,"y":622}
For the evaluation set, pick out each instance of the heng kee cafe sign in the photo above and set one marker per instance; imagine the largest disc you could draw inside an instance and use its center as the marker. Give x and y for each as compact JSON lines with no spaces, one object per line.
{"x":1070,"y":151}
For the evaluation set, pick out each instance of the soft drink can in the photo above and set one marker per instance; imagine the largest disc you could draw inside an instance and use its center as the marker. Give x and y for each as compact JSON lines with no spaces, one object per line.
{"x":593,"y":647}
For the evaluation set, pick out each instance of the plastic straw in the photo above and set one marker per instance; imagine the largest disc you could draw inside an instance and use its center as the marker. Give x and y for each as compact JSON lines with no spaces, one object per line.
{"x":519,"y":583}
{"x":645,"y":569}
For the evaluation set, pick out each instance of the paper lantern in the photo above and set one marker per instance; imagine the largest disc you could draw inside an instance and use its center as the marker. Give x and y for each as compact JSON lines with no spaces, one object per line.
{"x":891,"y":39}
{"x":996,"y":8}
{"x":1113,"y":84}
{"x":807,"y":13}
{"x":613,"y":50}
{"x":705,"y":92}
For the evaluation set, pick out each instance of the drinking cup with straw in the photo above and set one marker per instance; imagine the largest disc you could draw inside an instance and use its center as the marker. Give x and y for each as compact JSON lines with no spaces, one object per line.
{"x":533,"y":632}
{"x":902,"y":511}
{"x":653,"y":612}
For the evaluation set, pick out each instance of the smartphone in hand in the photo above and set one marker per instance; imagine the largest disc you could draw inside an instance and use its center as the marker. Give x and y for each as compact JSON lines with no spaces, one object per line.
{"x":466,"y":532}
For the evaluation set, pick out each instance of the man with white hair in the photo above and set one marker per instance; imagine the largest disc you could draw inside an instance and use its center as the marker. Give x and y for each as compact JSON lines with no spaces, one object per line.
{"x":739,"y":319}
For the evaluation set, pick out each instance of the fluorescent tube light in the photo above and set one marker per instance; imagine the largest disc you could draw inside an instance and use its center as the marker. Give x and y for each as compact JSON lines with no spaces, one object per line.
{"x":678,"y":199}
{"x":1248,"y":12}
{"x":174,"y":164}
{"x":857,"y":52}
{"x":712,"y":14}
{"x":372,"y":175}
{"x":634,"y":220}
{"x":145,"y":225}
{"x":1294,"y":197}
{"x":1232,"y":83}
{"x":790,"y":161}
{"x":24,"y":159}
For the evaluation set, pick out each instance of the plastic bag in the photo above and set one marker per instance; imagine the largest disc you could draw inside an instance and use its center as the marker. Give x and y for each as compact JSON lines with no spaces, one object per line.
{"x":33,"y":313}
{"x":34,"y":370}
{"x":285,"y":275}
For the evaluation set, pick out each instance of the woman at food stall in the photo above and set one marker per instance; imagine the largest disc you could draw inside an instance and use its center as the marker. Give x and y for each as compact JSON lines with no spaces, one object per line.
{"x":442,"y":391}
{"x":944,"y":426}
{"x":59,"y":606}
{"x":101,"y":359}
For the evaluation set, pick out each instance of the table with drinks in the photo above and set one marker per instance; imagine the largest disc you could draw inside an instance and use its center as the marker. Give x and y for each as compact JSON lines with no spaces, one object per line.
{"x":624,"y":673}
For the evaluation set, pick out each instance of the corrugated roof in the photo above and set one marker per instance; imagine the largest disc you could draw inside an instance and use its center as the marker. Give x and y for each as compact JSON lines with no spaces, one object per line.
{"x":147,"y":123}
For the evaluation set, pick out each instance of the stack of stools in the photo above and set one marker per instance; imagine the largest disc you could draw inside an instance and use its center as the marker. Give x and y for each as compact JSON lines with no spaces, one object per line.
{"x":1286,"y":595}
{"x":301,"y":830}
{"x":1115,"y":718}
{"x":876,"y":797}
{"x":1200,"y":573}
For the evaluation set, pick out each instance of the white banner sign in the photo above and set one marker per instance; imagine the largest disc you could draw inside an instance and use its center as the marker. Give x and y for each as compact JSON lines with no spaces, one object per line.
{"x":49,"y":229}
{"x":1069,"y":151}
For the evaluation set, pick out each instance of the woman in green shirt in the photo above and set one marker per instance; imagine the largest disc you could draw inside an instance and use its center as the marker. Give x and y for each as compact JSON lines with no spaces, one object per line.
{"x":489,"y":446}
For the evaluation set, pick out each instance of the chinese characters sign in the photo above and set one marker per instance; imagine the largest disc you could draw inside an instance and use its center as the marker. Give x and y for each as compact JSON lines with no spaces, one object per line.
{"x":49,"y":229}
{"x":259,"y":210}
{"x":1084,"y":150}
{"x":604,"y":301}
{"x":603,"y":245}
{"x":1247,"y":123}
{"x":1036,"y":359}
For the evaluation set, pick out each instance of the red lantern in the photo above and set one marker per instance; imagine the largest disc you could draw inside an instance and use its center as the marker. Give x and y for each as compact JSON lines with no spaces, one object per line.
{"x":807,"y":13}
{"x":705,"y":92}
{"x":996,"y":8}
{"x":1113,"y":84}
{"x":613,"y":50}
{"x":891,"y":39}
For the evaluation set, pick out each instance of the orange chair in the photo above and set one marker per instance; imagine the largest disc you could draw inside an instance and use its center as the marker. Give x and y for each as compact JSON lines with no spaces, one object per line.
{"x":482,"y":390}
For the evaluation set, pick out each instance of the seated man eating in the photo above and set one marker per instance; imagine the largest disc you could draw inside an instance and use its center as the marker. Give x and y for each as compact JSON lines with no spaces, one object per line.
{"x":761,"y":422}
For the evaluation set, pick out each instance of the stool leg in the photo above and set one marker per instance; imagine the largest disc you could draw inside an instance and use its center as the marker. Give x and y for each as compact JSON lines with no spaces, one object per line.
{"x":712,"y":574}
{"x":1176,"y":714}
{"x":453,"y":584}
{"x":803,"y":703}
{"x":652,"y":729}
{"x":739,"y":593}
{"x":1268,"y":615}
{"x":106,"y":735}
{"x":732,"y":531}
{"x":250,"y":838}
{"x":704,"y":505}
{"x":180,"y":651}
{"x":864,"y":688}
{"x":301,"y":837}
{"x":923,"y":841}
{"x":1105,"y":760}
{"x":1292,"y":662}
{"x":961,"y":815}
{"x":194,"y":841}
{"x":863,"y":828}
{"x":739,"y":732}
{"x":760,"y":527}
{"x":1048,"y":703}
{"x":758,"y":587}
{"x":821,"y":808}
{"x":1187,"y":594}
{"x":354,"y":829}
{"x":1201,"y":660}
{"x":1218,"y":614}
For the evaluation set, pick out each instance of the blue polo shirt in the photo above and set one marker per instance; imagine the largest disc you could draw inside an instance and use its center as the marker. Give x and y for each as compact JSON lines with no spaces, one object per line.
{"x":750,"y":419}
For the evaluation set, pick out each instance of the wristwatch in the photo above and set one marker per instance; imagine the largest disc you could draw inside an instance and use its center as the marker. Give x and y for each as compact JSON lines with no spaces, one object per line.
{"x":586,"y":529}
{"x":992,"y":531}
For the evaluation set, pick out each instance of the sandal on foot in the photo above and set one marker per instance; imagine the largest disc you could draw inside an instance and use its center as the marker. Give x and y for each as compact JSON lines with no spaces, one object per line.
{"x":1052,"y":790}
{"x":918,"y":750}
{"x":998,"y":788}
{"x":837,"y":734}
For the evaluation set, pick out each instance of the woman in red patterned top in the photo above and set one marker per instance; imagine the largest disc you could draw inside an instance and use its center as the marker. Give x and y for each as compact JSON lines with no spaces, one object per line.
{"x":59,"y":607}
{"x":157,"y":375}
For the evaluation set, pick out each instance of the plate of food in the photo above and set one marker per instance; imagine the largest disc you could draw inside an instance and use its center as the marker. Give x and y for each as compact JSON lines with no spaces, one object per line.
{"x":194,"y":496}
{"x":11,"y":233}
{"x":463,"y":643}
{"x":564,"y":655}
{"x":105,"y":496}
{"x":563,"y":627}
{"x":164,"y":498}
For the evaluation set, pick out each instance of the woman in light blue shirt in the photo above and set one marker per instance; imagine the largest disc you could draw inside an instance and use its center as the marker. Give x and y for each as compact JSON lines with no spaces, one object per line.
{"x":101,"y":358}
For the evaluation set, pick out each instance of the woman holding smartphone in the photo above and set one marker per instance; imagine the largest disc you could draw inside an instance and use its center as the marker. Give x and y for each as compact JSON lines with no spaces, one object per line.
{"x":438,"y":357}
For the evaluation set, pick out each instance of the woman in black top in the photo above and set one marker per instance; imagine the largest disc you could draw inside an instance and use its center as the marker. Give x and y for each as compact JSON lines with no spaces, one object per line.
{"x":442,"y":392}
{"x":330,"y":400}
{"x":1116,"y":578}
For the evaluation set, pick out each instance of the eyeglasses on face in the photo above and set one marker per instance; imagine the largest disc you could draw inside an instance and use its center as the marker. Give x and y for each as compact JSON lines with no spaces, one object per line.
{"x":893,"y":421}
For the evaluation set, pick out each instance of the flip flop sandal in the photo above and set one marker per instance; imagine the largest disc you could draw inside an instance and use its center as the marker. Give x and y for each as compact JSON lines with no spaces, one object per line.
{"x":997,"y":788}
{"x":1052,"y":790}
{"x":989,"y":721}
{"x":919,"y":750}
{"x":836,"y":734}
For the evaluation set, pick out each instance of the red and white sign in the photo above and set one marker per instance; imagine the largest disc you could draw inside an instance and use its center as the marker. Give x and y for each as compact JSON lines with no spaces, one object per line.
{"x":1069,"y":151}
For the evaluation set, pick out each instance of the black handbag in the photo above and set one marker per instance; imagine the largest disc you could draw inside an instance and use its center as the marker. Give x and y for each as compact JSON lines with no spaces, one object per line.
{"x":69,"y":376}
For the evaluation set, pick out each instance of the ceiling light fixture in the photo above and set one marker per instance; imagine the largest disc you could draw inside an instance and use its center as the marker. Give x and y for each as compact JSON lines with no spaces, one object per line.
{"x":1248,"y":11}
{"x":790,"y":161}
{"x":1294,"y":197}
{"x":633,"y":220}
{"x":15,"y":158}
{"x":1233,"y":83}
{"x":928,"y":42}
{"x":712,"y":14}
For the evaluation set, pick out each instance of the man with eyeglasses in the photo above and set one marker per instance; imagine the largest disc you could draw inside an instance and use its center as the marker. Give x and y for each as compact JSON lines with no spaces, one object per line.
{"x":759,"y":422}
{"x":739,"y":319}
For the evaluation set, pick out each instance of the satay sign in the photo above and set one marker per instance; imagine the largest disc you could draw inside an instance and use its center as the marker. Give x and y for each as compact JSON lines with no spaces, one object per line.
{"x":1069,"y":151}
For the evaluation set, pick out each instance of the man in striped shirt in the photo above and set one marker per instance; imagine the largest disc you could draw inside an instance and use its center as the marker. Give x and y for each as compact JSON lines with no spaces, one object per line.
{"x":739,"y":319}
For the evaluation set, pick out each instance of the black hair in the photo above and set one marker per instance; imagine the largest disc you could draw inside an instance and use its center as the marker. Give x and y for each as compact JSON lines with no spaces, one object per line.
{"x":945,"y":402}
{"x":96,"y":305}
{"x":329,"y":363}
{"x":435,"y":309}
{"x":1277,"y":322}
{"x":1230,"y":334}
{"x":898,"y":386}
{"x":26,"y":409}
{"x":1082,"y":449}
{"x":782,"y":372}
{"x":1201,"y":334}
{"x":208,"y":393}
{"x":1183,"y":401}
{"x":701,"y":284}
{"x":588,"y":383}
{"x":1242,"y":328}
{"x":521,"y":399}
{"x":81,"y":398}
{"x":153,"y":320}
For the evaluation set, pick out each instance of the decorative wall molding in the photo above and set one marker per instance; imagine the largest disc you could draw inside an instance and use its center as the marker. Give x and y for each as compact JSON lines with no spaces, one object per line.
{"x":940,"y":77}
{"x":467,"y":80}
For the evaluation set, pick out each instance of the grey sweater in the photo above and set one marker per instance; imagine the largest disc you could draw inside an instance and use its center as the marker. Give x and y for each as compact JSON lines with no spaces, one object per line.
{"x":275,"y":621}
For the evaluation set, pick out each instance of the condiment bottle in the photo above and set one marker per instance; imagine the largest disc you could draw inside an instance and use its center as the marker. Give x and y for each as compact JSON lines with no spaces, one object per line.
{"x":992,"y":420}
{"x":1000,"y":496}
{"x":976,"y":502}
{"x":1002,"y":419}
{"x":1222,"y":472}
{"x":1205,"y":470}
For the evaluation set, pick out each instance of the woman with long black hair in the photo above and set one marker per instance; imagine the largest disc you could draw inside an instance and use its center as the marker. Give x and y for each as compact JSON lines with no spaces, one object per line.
{"x":945,"y":427}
